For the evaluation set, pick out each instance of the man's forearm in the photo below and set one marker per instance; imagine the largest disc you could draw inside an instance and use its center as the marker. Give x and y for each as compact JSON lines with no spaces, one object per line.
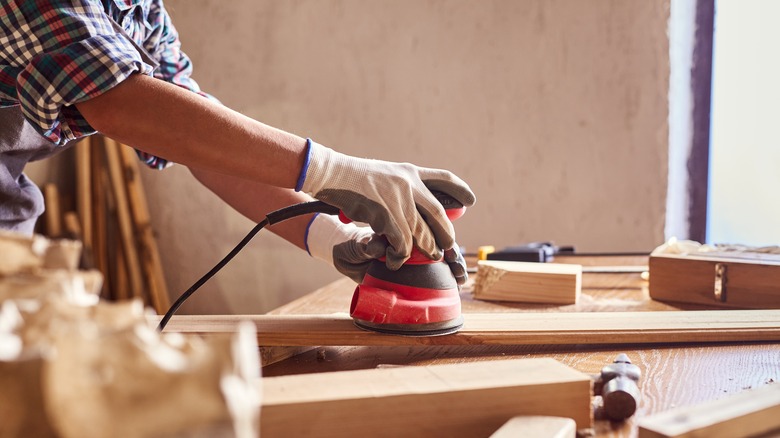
{"x":173,"y":123}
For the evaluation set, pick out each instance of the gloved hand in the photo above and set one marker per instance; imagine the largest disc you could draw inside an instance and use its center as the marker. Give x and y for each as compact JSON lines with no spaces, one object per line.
{"x":394,"y":198}
{"x":351,"y":249}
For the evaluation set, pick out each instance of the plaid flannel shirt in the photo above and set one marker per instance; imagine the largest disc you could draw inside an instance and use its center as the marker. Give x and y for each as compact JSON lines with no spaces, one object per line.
{"x":54,"y":54}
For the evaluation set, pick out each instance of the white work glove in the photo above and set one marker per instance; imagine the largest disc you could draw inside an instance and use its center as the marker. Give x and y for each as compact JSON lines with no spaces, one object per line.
{"x":351,"y":249}
{"x":393,"y":198}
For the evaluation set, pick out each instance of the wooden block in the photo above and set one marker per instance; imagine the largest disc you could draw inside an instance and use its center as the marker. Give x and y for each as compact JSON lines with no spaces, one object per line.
{"x":507,"y":328}
{"x":748,"y":413}
{"x":717,"y":281}
{"x":453,"y":400}
{"x":537,"y":426}
{"x":552,"y":283}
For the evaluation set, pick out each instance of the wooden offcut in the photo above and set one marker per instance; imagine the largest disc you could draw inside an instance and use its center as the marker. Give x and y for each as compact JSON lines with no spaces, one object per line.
{"x":84,"y":190}
{"x":537,"y":426}
{"x":527,"y":282}
{"x":53,"y":213}
{"x":749,"y":282}
{"x":453,"y":400}
{"x":147,"y":244}
{"x":749,"y":413}
{"x":127,"y":233}
{"x":506,"y":328}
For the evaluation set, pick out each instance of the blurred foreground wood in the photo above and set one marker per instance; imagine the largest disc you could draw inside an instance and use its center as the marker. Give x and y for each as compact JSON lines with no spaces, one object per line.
{"x":111,"y":218}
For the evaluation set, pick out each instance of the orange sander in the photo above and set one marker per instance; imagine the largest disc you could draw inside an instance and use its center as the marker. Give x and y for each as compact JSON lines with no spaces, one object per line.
{"x":421,"y":298}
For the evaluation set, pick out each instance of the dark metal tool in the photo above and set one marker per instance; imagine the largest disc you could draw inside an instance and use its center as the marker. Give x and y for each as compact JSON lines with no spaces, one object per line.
{"x":618,"y":387}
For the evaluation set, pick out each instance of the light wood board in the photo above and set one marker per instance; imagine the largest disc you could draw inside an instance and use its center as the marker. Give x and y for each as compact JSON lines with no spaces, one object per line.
{"x":453,"y":400}
{"x":526,"y":282}
{"x":507,"y":328}
{"x":537,"y":426}
{"x":749,"y":413}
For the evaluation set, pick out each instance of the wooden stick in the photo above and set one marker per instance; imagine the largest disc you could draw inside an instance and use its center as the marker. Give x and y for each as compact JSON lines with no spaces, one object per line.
{"x":100,"y":217}
{"x":748,"y":413}
{"x":538,"y":426}
{"x":53,"y":214}
{"x":452,"y":400}
{"x":149,"y":254}
{"x":123,"y":216}
{"x":507,"y":328}
{"x":84,"y":191}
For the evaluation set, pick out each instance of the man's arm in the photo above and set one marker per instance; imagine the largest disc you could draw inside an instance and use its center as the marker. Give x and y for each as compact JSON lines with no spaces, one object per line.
{"x":178,"y":125}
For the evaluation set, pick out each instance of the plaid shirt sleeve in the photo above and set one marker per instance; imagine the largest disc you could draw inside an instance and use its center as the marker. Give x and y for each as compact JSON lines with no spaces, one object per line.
{"x":57,"y":53}
{"x":174,"y":65}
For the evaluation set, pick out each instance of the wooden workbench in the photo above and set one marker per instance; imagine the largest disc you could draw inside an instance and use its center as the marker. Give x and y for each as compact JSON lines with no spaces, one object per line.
{"x":673,"y":375}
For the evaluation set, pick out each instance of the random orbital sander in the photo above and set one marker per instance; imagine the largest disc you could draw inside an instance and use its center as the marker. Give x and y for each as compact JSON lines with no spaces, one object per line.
{"x":421,"y":298}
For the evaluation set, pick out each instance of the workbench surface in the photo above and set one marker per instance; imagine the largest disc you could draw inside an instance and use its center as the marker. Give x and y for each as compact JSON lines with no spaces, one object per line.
{"x":673,"y":375}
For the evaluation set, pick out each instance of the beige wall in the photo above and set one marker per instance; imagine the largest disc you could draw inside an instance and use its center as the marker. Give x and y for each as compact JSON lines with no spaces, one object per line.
{"x":554,"y":111}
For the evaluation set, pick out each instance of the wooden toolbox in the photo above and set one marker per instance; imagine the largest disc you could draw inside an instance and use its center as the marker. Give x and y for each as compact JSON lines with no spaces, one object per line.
{"x":724,"y":280}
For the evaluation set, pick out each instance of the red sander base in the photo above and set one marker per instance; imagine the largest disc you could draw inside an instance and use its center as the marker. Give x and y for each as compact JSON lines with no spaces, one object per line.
{"x":419,"y":299}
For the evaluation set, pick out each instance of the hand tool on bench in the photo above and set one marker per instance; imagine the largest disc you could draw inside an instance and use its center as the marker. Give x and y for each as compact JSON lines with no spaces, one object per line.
{"x":617,"y":386}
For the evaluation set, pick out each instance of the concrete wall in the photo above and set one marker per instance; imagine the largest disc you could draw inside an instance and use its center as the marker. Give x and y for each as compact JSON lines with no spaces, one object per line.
{"x":554,"y":111}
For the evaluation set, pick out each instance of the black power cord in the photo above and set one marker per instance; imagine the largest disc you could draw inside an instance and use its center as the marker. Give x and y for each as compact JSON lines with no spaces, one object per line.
{"x":274,"y":217}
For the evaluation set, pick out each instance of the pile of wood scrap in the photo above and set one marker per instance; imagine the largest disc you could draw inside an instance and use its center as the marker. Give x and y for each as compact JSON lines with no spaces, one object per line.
{"x":111,"y":218}
{"x":72,"y":365}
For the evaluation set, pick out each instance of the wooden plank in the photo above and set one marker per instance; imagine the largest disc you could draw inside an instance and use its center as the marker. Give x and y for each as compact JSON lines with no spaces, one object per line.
{"x":147,"y":244}
{"x":746,"y":283}
{"x":537,"y":426}
{"x":507,"y":328}
{"x":453,"y":400}
{"x":748,"y":413}
{"x":553,"y":283}
{"x":123,"y":215}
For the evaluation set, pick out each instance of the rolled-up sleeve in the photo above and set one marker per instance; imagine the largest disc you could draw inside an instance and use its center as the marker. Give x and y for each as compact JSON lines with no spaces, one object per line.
{"x":174,"y":65}
{"x":57,"y":53}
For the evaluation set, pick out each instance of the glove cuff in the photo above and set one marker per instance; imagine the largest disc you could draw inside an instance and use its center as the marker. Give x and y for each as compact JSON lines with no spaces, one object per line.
{"x":305,"y":167}
{"x":324,"y":232}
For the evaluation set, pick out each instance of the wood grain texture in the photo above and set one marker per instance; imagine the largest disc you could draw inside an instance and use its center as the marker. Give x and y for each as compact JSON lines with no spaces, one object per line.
{"x":508,"y":328}
{"x":456,"y":400}
{"x":550,"y":283}
{"x":749,"y":413}
{"x":537,"y":426}
{"x":748,"y":283}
